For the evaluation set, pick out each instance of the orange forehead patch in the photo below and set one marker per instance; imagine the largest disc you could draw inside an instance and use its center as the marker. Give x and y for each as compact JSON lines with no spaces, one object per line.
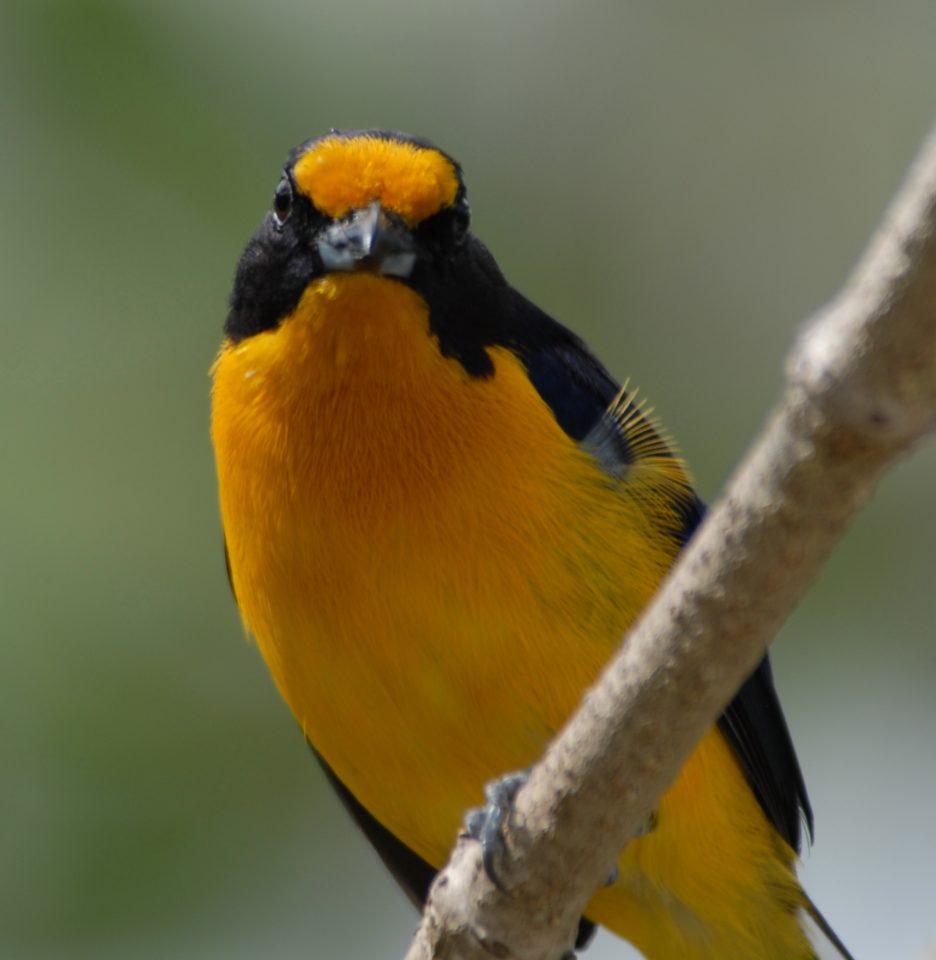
{"x":339,"y":175}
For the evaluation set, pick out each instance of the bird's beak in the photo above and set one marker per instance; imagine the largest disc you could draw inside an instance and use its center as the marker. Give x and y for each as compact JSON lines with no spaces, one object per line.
{"x":368,"y":240}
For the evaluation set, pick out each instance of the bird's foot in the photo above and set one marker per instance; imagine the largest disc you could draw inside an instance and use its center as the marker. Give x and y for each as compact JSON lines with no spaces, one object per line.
{"x":486,"y":824}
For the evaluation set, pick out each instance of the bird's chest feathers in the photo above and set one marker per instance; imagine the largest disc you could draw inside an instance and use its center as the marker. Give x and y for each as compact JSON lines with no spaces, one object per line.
{"x":411,"y":545}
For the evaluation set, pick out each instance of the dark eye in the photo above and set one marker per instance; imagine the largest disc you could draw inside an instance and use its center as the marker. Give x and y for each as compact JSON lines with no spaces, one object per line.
{"x":282,"y":201}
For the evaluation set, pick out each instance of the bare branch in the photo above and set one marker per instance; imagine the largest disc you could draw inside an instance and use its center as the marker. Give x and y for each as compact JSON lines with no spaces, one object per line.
{"x":861,"y":391}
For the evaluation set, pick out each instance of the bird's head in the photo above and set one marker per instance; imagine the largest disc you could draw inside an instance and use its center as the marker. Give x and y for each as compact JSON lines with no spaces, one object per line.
{"x":362,"y":201}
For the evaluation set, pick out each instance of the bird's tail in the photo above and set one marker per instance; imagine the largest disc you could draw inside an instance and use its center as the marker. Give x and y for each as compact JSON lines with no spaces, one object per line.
{"x":821,"y":936}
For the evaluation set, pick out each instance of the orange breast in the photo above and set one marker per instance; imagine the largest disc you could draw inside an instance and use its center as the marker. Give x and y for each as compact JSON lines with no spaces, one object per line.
{"x":435,"y":572}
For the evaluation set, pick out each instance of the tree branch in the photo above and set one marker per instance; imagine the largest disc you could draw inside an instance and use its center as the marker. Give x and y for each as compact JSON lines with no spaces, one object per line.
{"x":861,"y":391}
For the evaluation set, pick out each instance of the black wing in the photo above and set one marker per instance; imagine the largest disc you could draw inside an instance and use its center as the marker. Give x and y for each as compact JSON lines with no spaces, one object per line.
{"x":409,"y":870}
{"x":756,"y":729}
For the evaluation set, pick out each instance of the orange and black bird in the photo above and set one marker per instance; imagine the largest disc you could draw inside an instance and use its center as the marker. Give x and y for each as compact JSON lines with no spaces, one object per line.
{"x":441,"y":514}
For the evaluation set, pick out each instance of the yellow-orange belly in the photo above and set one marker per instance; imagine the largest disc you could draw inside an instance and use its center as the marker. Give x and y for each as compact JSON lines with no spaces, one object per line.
{"x":434,"y":573}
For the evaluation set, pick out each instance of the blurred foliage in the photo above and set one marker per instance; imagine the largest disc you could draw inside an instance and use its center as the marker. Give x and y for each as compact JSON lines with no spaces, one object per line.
{"x":681,"y":183}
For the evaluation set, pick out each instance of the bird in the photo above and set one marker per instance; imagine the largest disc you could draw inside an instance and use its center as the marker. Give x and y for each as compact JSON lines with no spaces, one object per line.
{"x":441,"y":513}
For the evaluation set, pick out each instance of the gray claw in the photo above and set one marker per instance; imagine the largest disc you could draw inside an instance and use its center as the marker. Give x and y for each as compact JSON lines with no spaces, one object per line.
{"x":486,"y":824}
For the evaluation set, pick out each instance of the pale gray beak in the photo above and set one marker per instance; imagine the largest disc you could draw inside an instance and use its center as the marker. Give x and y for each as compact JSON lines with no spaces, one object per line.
{"x":368,"y":240}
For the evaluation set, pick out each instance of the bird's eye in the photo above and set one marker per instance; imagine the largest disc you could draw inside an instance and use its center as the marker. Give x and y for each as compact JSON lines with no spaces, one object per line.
{"x":282,"y":201}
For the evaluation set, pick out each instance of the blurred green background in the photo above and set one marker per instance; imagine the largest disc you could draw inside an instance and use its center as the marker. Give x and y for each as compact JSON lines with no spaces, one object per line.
{"x":682,"y":183}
